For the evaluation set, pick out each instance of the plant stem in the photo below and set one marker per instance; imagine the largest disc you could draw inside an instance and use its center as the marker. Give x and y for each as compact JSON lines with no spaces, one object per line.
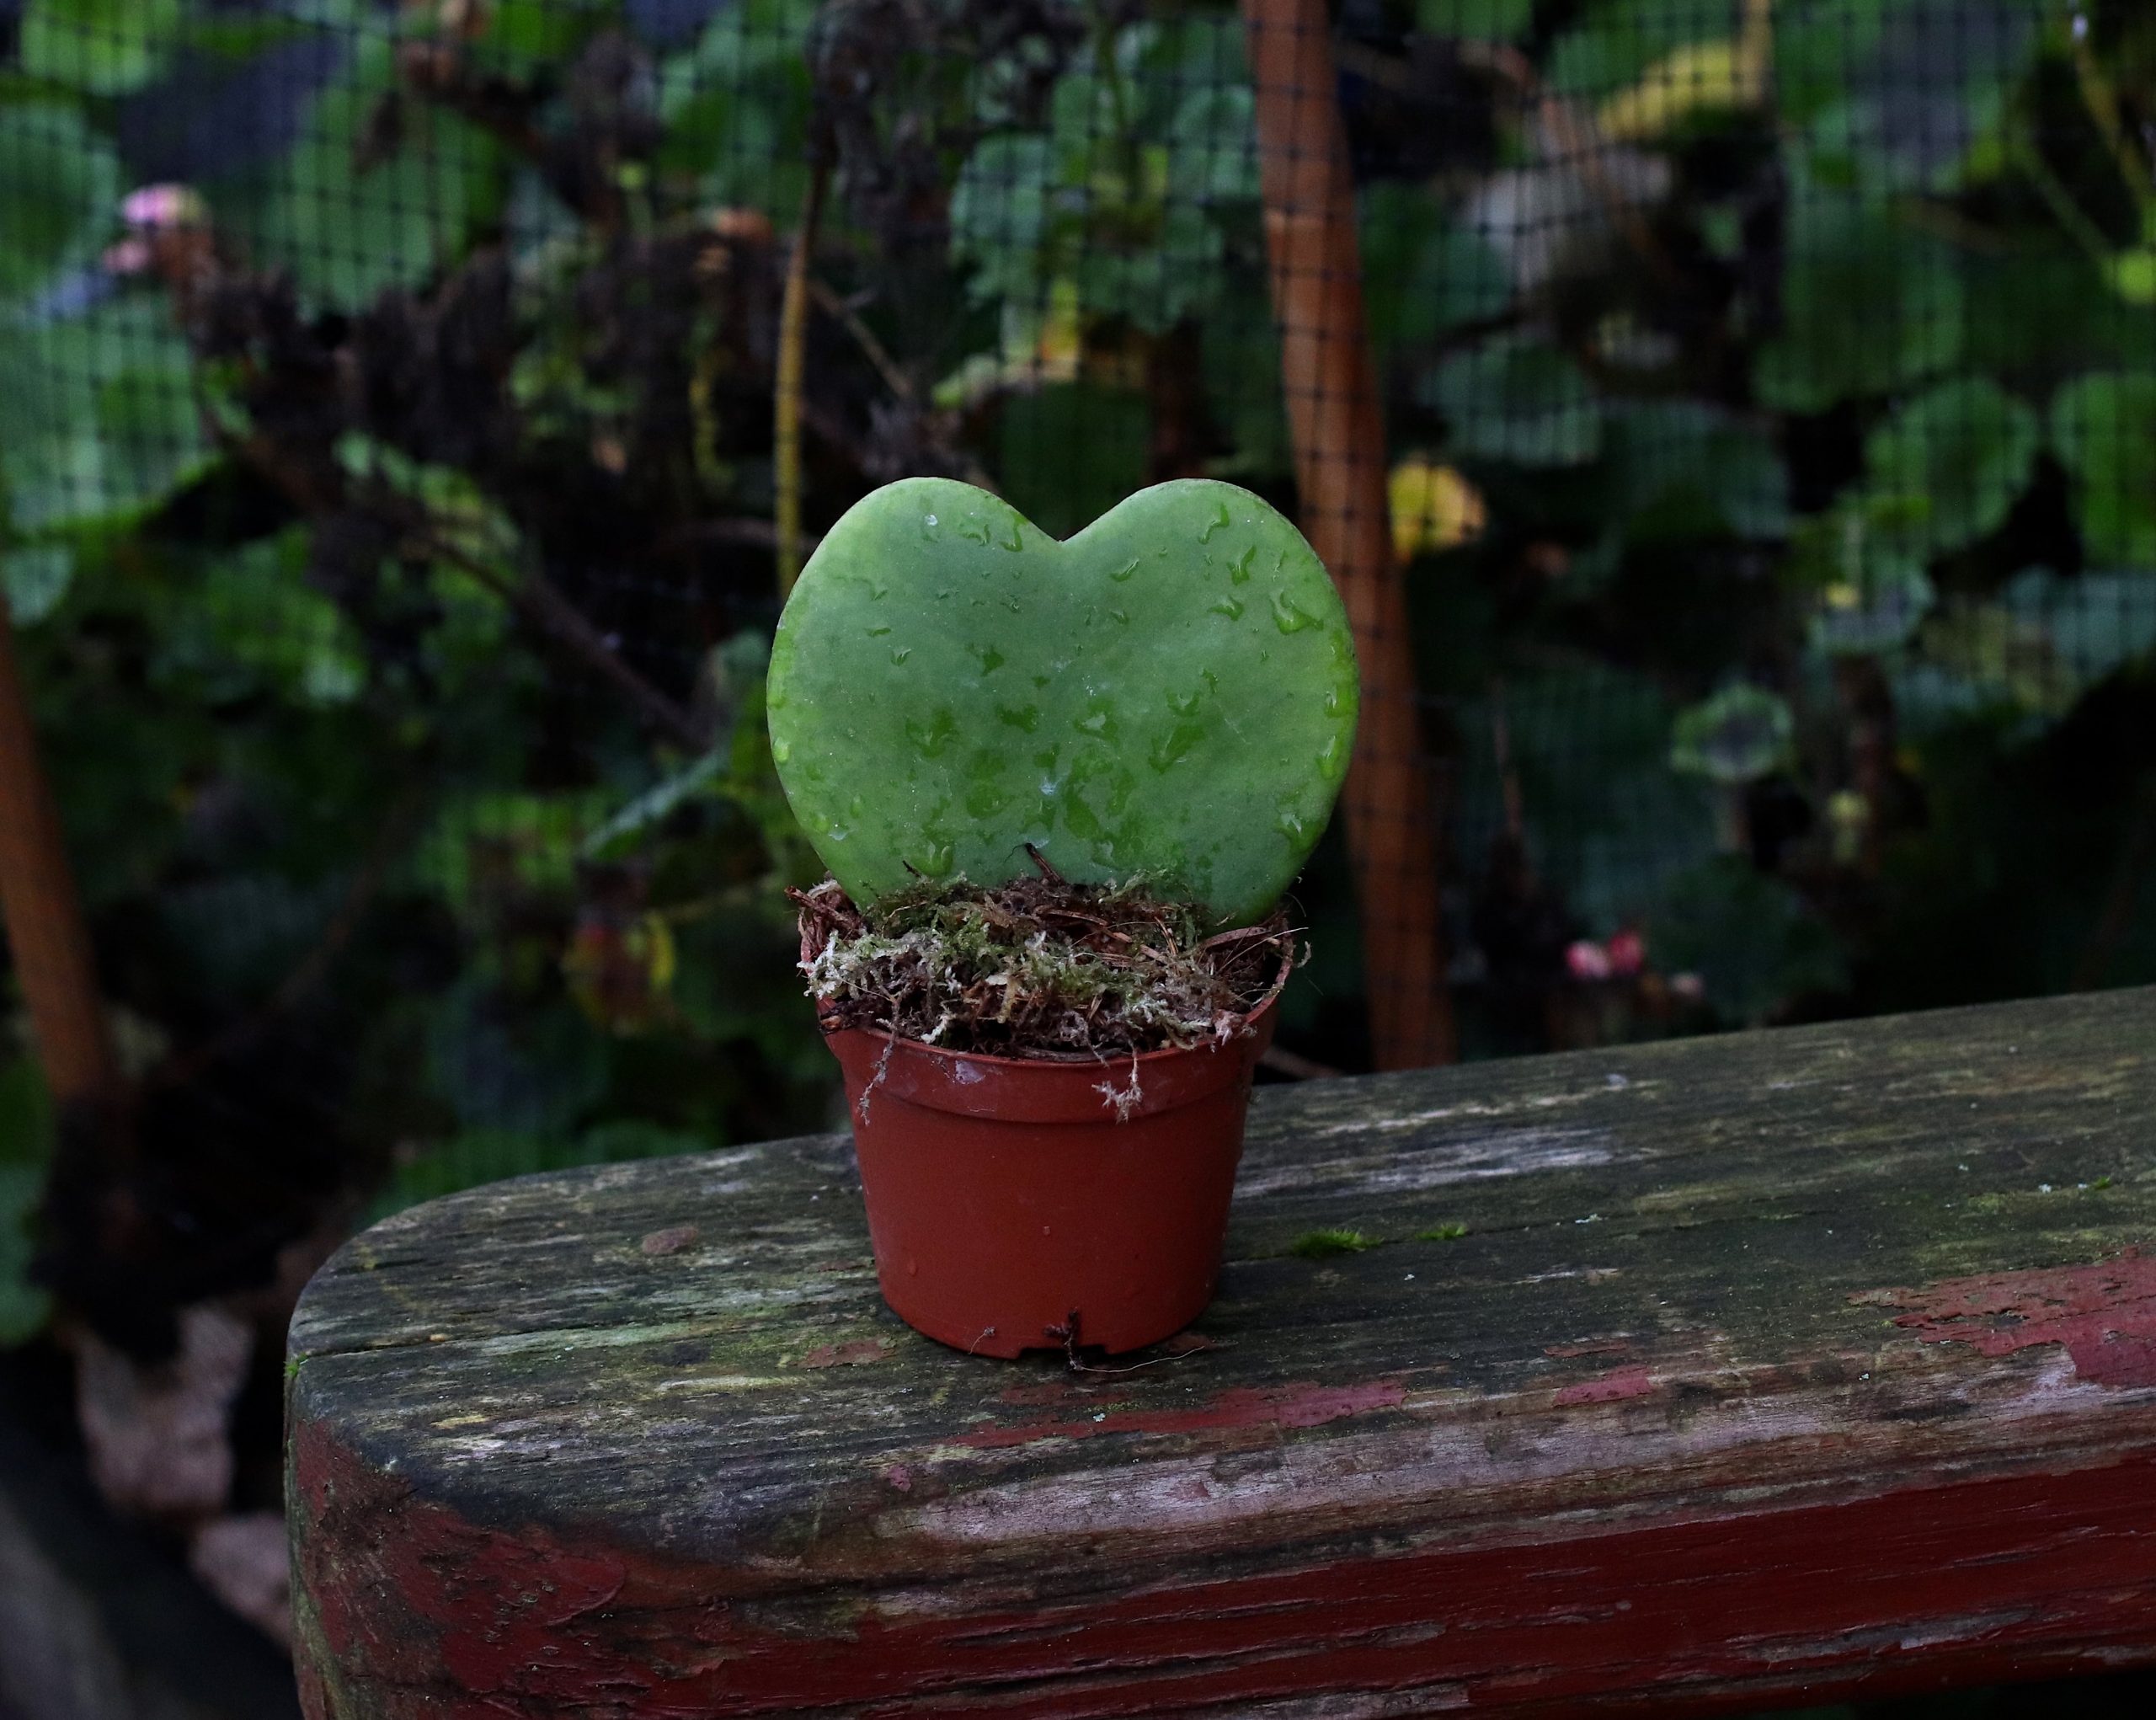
{"x":2068,"y":214}
{"x":537,"y":598}
{"x":2102,"y":102}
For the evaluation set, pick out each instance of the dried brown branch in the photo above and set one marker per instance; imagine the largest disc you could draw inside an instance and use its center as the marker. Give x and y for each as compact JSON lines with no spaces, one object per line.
{"x":537,"y":599}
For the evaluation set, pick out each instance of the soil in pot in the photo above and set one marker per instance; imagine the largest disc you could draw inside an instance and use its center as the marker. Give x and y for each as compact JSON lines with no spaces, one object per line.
{"x":1048,"y":1085}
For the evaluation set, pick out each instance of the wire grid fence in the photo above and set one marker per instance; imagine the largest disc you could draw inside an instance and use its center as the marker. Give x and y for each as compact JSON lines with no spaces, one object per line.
{"x":1761,"y":450}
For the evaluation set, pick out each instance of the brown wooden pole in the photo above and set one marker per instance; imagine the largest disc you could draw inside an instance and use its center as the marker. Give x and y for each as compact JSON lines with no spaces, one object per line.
{"x":44,"y":917}
{"x":1338,"y":431}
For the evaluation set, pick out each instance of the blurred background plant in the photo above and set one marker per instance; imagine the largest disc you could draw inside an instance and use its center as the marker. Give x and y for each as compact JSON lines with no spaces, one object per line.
{"x":390,"y":519}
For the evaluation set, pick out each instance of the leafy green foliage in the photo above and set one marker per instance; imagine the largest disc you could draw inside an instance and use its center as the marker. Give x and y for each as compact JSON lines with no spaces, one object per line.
{"x":735,"y":105}
{"x":1739,"y":735}
{"x":1425,"y":274}
{"x":110,"y":425}
{"x":1168,"y":696}
{"x":1478,"y":20}
{"x":1517,"y":399}
{"x":1868,"y":305}
{"x":1684,"y":471}
{"x":57,"y":196}
{"x":1750,"y":937}
{"x":100,"y":47}
{"x":2103,"y":427}
{"x":1946,"y":468}
{"x":348,"y":225}
{"x":34,"y":579}
{"x":1147,"y":161}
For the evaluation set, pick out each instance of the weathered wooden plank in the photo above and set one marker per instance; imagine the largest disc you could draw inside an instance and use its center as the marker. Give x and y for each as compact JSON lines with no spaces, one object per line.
{"x":1766,"y":1366}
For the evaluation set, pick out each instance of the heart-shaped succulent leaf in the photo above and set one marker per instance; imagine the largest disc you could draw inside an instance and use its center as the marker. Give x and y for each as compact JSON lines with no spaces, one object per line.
{"x":1169,"y":695}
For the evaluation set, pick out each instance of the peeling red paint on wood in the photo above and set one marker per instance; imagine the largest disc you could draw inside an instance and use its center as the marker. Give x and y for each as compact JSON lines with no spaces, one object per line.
{"x":1683,"y":1458}
{"x":858,"y":1353}
{"x":2103,"y":1314}
{"x":1613,"y":1387}
{"x":1798,"y":1593}
{"x":1604,"y":1346}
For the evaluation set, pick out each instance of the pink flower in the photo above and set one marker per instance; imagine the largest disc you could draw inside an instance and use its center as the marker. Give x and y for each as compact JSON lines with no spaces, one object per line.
{"x":1628,"y":954}
{"x":131,"y":256}
{"x":1585,"y":960}
{"x":157,"y":208}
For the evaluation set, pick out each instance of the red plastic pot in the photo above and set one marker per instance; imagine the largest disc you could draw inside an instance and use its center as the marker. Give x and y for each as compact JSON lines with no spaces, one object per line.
{"x":1021,"y":1204}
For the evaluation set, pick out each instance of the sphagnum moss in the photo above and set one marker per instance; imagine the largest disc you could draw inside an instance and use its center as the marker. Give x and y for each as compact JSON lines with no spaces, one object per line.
{"x":1036,"y":967}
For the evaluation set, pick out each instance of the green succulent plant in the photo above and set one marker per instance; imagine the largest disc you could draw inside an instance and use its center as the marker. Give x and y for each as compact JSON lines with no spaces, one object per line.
{"x":1169,"y":695}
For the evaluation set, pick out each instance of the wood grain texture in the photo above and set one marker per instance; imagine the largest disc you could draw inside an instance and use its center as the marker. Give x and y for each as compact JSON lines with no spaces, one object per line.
{"x":1767,"y":1368}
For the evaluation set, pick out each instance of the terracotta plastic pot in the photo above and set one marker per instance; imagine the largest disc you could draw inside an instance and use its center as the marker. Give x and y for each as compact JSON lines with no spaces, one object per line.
{"x":1013,"y":1200}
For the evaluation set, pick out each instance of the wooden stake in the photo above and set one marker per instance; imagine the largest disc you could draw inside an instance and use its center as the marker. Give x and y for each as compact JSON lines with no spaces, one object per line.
{"x":1338,"y":432}
{"x":44,"y":918}
{"x":786,"y":404}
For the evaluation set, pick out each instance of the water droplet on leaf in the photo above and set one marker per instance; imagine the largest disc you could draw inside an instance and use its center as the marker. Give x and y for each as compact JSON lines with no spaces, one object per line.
{"x":1287,"y":616}
{"x":1175,"y":746}
{"x":931,"y":736}
{"x":1229,"y":606}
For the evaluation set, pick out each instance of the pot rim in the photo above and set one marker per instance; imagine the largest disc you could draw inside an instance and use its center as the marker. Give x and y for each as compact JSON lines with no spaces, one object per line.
{"x":1030,"y":1092}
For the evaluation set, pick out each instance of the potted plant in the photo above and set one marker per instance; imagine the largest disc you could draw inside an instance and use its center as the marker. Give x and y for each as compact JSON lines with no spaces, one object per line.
{"x":1060,"y":788}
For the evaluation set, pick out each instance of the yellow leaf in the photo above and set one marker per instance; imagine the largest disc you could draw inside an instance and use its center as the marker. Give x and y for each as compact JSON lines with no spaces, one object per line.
{"x":1061,"y":342}
{"x":1433,"y":508}
{"x":2131,"y":274}
{"x":1698,"y":77}
{"x":1695,"y":78}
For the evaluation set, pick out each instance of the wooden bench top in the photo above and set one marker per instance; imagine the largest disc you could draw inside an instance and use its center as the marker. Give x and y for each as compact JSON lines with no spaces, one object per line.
{"x":1766,"y":1368}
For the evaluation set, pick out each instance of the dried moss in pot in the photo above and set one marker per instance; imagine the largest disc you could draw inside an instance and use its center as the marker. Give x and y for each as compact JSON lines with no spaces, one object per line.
{"x":1036,"y":967}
